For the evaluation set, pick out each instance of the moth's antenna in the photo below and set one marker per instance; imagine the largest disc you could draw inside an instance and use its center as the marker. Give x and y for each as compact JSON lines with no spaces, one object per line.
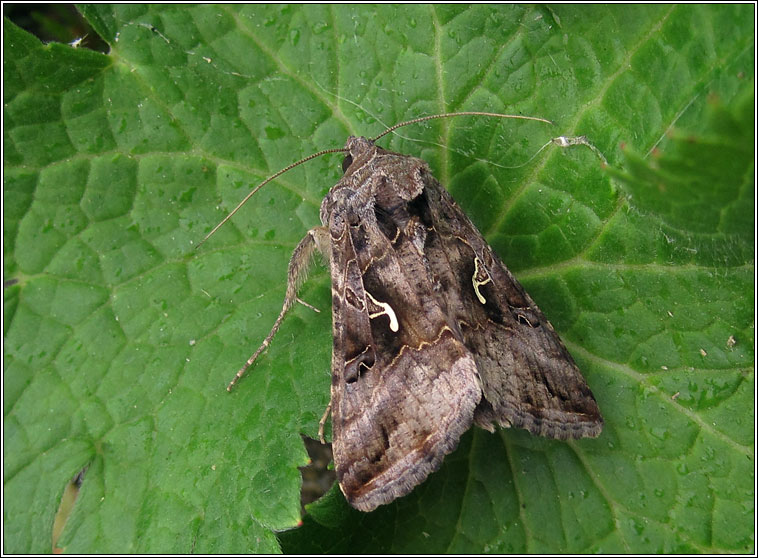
{"x":342,"y":150}
{"x":262,"y":184}
{"x":451,"y":114}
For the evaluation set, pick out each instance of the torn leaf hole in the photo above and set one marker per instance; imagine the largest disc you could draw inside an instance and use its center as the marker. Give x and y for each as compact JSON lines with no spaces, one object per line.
{"x":319,"y":475}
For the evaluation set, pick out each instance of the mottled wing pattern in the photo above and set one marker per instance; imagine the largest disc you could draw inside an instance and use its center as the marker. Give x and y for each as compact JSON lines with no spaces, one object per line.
{"x":404,"y":386}
{"x":431,"y":333}
{"x":529,"y":379}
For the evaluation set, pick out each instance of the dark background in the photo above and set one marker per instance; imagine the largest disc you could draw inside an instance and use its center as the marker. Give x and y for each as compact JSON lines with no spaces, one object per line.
{"x":55,"y":22}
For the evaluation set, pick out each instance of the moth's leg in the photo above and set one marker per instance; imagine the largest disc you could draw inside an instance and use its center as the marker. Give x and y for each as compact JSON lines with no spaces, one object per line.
{"x":316,"y":239}
{"x":322,"y":423}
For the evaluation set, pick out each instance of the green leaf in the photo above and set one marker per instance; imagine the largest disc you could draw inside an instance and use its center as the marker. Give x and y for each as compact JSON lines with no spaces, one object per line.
{"x":120,"y":336}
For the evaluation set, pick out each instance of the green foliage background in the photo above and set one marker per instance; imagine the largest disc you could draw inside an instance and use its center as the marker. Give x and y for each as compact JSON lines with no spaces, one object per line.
{"x":119,"y":336}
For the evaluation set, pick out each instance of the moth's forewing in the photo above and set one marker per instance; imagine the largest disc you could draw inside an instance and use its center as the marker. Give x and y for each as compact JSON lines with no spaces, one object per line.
{"x":404,"y":386}
{"x":529,"y":379}
{"x":431,"y":332}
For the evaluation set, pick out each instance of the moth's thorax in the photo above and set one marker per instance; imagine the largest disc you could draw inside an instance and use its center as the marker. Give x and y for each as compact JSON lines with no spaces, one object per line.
{"x":369,"y":170}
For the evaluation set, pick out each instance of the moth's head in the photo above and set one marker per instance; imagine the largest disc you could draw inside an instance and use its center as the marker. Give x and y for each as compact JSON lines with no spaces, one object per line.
{"x":359,"y":152}
{"x":358,"y":149}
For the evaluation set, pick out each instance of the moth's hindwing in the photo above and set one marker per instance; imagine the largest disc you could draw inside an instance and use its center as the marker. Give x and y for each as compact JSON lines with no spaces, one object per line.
{"x":431,"y":333}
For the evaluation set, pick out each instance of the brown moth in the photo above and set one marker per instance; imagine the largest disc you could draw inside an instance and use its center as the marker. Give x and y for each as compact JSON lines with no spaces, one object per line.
{"x":431,"y":331}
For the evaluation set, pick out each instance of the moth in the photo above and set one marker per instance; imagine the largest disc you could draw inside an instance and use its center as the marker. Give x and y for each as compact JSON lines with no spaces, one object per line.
{"x":432,"y":333}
